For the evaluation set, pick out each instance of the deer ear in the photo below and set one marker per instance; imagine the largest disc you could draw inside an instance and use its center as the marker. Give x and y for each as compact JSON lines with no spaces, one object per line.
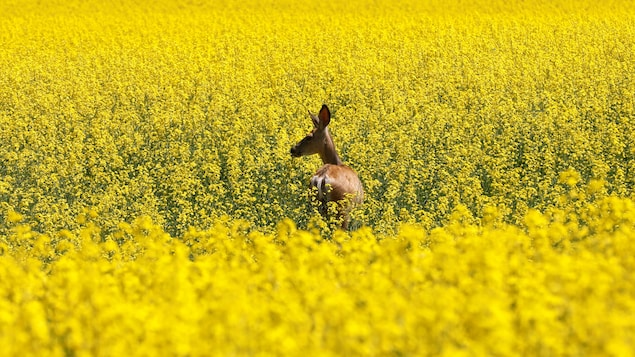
{"x":314,"y":119}
{"x":325,"y":116}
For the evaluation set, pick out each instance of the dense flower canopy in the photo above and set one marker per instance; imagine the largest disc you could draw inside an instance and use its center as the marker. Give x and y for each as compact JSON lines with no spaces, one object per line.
{"x":149,"y":204}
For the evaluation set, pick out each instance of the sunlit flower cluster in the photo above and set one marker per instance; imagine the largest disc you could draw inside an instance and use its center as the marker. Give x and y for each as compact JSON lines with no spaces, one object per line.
{"x":185,"y":113}
{"x":149,"y":204}
{"x":542,"y":288}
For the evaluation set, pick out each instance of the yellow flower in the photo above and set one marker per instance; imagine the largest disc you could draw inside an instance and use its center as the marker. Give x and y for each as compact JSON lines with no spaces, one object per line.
{"x":535,"y":219}
{"x":595,"y":186}
{"x":14,"y":217}
{"x":154,"y":223}
{"x":569,"y":177}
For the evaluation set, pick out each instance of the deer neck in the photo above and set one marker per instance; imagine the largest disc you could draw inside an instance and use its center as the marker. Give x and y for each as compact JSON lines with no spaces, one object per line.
{"x":329,"y":154}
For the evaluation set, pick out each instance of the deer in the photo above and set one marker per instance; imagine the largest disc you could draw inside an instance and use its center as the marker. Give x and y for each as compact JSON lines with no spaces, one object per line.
{"x":334,"y":181}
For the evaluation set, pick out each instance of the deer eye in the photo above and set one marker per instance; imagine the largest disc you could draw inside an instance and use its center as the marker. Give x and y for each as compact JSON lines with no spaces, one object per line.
{"x":307,"y":138}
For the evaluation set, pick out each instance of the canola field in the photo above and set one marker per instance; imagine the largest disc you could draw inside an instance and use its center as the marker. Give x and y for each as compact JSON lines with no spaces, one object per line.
{"x":149,"y":204}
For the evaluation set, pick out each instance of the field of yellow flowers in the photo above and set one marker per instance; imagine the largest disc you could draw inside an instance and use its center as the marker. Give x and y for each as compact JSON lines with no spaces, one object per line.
{"x":149,"y":204}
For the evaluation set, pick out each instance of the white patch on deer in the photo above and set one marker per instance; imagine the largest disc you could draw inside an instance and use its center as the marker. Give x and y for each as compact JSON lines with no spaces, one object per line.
{"x":320,"y":183}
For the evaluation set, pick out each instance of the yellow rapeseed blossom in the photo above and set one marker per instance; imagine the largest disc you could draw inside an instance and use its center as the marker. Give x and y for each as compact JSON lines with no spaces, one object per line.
{"x":185,"y":113}
{"x":14,"y":217}
{"x":149,"y":204}
{"x":479,"y":290}
{"x":595,"y":186}
{"x":569,"y":177}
